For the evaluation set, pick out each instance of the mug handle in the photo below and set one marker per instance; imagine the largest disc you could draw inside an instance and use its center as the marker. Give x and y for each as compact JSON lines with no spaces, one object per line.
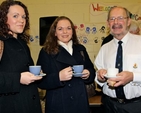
{"x":73,"y":69}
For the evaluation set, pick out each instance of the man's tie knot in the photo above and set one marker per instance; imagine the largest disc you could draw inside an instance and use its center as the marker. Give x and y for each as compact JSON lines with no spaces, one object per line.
{"x":120,"y":42}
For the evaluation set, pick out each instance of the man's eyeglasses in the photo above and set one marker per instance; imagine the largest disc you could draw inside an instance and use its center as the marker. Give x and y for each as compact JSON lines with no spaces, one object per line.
{"x":120,"y":18}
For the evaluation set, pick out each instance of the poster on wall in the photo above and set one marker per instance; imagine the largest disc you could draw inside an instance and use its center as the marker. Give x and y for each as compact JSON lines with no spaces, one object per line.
{"x":98,"y":11}
{"x":91,"y":33}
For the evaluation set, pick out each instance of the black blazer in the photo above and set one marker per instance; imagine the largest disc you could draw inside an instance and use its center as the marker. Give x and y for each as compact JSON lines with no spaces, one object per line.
{"x":67,"y":96}
{"x":16,"y":97}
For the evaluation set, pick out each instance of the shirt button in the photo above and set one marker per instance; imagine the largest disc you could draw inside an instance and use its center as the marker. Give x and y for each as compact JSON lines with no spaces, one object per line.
{"x":80,"y":82}
{"x":27,"y":64}
{"x":34,"y":97}
{"x":6,"y":94}
{"x":69,"y":85}
{"x":72,"y":97}
{"x":13,"y":93}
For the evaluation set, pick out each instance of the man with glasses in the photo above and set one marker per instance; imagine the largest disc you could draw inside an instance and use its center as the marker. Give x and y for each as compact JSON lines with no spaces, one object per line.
{"x":121,"y":94}
{"x":134,"y":29}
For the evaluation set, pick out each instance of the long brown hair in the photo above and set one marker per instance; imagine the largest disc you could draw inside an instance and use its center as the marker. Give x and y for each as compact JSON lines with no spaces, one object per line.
{"x":51,"y":45}
{"x":4,"y":9}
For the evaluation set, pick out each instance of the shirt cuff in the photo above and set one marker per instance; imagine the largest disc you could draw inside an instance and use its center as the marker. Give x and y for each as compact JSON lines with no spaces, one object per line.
{"x":136,"y":77}
{"x":99,"y":83}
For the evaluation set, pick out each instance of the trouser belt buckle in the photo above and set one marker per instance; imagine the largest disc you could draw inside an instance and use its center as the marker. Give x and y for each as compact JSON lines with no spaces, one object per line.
{"x":120,"y":100}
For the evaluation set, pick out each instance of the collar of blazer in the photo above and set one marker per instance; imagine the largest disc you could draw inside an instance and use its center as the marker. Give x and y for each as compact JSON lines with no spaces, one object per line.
{"x":64,"y":57}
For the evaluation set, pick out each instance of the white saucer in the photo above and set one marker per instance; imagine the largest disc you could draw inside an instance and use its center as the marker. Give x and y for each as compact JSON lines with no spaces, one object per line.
{"x":78,"y":74}
{"x":106,"y":76}
{"x":41,"y":74}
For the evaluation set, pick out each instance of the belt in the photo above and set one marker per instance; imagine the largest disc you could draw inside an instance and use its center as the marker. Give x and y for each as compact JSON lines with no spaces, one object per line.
{"x":7,"y":94}
{"x":138,"y":99}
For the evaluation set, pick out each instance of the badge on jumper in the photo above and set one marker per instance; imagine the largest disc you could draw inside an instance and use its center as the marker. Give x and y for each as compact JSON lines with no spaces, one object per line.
{"x":135,"y":66}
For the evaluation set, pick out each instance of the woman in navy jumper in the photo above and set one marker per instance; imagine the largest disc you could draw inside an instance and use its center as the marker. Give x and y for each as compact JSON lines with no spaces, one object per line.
{"x":65,"y":93}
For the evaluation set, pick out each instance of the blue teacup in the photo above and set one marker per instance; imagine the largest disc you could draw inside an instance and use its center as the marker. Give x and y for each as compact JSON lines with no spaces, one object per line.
{"x":35,"y":69}
{"x":78,"y":68}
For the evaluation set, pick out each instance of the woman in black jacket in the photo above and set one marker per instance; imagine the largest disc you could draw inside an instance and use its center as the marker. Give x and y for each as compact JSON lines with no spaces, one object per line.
{"x":65,"y":93}
{"x":18,"y":91}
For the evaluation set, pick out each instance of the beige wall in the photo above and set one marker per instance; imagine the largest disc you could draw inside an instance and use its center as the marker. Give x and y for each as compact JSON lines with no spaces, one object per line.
{"x":77,"y":10}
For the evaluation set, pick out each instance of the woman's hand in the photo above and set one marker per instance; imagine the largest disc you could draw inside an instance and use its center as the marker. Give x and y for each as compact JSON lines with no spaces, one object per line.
{"x":86,"y":74}
{"x":66,"y":74}
{"x":27,"y":78}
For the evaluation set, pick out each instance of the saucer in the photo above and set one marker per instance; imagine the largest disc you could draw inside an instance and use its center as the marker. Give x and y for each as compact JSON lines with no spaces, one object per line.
{"x":78,"y":74}
{"x":106,"y":76}
{"x":41,"y":74}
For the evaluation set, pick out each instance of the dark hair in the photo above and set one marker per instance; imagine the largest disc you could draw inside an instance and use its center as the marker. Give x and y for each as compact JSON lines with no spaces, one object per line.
{"x":127,"y":12}
{"x":51,"y":45}
{"x":4,"y":9}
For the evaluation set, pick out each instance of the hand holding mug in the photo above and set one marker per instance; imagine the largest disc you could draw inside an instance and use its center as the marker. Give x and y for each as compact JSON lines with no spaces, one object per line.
{"x":65,"y":74}
{"x":27,"y":78}
{"x":85,"y":74}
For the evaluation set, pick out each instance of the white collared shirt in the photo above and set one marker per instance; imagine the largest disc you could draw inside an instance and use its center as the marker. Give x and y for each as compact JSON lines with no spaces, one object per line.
{"x":68,"y":46}
{"x":131,"y":62}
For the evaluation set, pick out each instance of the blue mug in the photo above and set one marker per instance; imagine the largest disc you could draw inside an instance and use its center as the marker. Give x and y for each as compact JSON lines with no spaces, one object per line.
{"x":35,"y":69}
{"x":78,"y":68}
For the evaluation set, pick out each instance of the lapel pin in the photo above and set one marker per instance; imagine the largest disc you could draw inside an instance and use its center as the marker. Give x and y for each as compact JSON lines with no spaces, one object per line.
{"x":135,"y":66}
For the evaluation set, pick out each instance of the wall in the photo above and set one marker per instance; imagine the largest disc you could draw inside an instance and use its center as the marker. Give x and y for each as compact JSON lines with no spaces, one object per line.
{"x":79,"y":12}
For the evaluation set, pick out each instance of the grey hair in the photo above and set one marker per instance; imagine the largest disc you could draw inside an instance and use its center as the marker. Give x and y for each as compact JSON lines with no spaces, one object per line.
{"x":127,"y":12}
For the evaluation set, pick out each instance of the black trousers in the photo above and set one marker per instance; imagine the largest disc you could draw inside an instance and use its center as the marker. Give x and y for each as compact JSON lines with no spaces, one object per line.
{"x":113,"y":106}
